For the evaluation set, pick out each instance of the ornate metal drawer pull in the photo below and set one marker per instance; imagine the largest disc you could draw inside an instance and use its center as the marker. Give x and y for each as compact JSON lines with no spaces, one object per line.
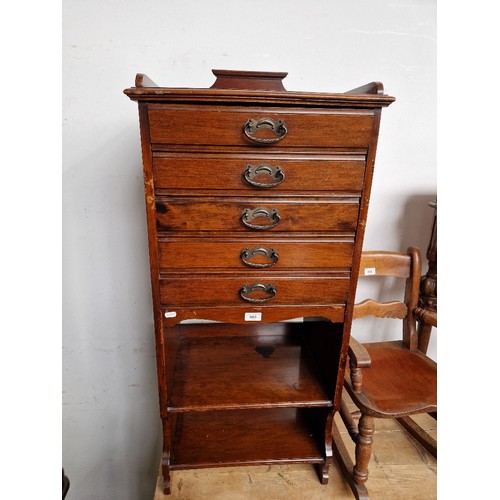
{"x":272,"y":216}
{"x":268,"y":253}
{"x":275,"y":173}
{"x":248,"y":289}
{"x":278,"y":127}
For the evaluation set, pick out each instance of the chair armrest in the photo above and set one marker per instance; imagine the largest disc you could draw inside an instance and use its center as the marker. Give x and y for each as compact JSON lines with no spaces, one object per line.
{"x":359,"y":357}
{"x":426,"y":316}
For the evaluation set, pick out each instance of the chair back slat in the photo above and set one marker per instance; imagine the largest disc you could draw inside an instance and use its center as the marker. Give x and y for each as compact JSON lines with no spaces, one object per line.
{"x":371,"y":307}
{"x":385,"y":264}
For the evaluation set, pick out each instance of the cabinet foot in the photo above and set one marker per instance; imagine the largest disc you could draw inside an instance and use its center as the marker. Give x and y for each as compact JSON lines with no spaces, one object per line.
{"x":165,"y":472}
{"x":324,"y":473}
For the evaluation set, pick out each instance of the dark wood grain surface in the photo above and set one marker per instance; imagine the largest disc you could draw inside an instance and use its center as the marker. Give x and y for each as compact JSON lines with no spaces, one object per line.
{"x":213,"y":125}
{"x":256,"y":201}
{"x":238,"y":437}
{"x":226,"y":253}
{"x":267,"y":372}
{"x":225,"y":214}
{"x":204,"y":290}
{"x":301,"y":172}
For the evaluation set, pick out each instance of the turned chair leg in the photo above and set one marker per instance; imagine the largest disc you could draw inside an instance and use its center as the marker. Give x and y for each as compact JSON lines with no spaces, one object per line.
{"x":363,"y":448}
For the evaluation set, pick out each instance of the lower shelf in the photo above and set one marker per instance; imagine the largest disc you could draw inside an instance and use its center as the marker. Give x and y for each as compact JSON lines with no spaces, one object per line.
{"x":244,"y":437}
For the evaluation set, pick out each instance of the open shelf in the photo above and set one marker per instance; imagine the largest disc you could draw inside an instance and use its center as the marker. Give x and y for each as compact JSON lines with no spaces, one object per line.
{"x":245,"y":371}
{"x":238,"y":437}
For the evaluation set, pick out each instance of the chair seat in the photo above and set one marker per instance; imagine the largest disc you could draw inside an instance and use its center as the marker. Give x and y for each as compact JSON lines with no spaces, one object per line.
{"x":391,"y":387}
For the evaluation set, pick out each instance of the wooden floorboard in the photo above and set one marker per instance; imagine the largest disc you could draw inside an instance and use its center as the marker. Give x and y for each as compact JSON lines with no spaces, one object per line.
{"x":399,"y":468}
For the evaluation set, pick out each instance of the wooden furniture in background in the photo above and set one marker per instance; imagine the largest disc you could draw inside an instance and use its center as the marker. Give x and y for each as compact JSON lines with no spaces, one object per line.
{"x":426,"y":316}
{"x":65,"y":485}
{"x":256,"y":202}
{"x":387,"y":379}
{"x":428,"y":285}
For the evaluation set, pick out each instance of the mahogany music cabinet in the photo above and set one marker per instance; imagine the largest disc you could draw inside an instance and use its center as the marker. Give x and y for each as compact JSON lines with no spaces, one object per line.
{"x":256,"y":202}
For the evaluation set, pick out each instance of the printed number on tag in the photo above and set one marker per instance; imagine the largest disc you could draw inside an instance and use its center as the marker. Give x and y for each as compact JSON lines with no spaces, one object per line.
{"x":370,"y":271}
{"x":253,"y":316}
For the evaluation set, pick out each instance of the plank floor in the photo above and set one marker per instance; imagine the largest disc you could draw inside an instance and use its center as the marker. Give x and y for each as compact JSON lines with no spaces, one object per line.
{"x":399,"y":468}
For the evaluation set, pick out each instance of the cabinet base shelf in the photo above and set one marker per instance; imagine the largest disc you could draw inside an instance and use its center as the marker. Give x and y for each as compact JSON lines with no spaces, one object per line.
{"x":248,"y":437}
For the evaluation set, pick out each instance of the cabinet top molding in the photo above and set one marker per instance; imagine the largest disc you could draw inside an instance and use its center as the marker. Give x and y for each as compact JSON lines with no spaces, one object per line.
{"x":257,"y":87}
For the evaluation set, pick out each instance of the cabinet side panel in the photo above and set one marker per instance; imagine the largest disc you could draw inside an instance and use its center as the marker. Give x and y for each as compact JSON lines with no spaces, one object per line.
{"x":358,"y":247}
{"x":147,"y":161}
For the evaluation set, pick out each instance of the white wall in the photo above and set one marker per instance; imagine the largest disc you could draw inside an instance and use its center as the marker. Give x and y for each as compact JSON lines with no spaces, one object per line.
{"x":111,"y":428}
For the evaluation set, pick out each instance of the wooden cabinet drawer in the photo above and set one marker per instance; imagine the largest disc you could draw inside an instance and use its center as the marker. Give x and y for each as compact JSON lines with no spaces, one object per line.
{"x":257,"y":254}
{"x":216,"y":290}
{"x":257,"y":214}
{"x":264,"y":172}
{"x":220,"y":126}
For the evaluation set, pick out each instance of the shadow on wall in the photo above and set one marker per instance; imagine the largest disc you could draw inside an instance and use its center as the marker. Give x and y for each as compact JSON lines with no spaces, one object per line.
{"x":415,"y":225}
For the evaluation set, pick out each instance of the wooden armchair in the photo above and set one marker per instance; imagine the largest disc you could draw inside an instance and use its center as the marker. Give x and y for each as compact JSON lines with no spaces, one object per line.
{"x":389,"y":379}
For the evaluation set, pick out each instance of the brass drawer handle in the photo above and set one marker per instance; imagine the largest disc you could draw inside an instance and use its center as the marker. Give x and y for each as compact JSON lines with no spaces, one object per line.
{"x":248,"y":289}
{"x":268,"y":253}
{"x":272,"y":216}
{"x":275,"y":173}
{"x":278,"y":127}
